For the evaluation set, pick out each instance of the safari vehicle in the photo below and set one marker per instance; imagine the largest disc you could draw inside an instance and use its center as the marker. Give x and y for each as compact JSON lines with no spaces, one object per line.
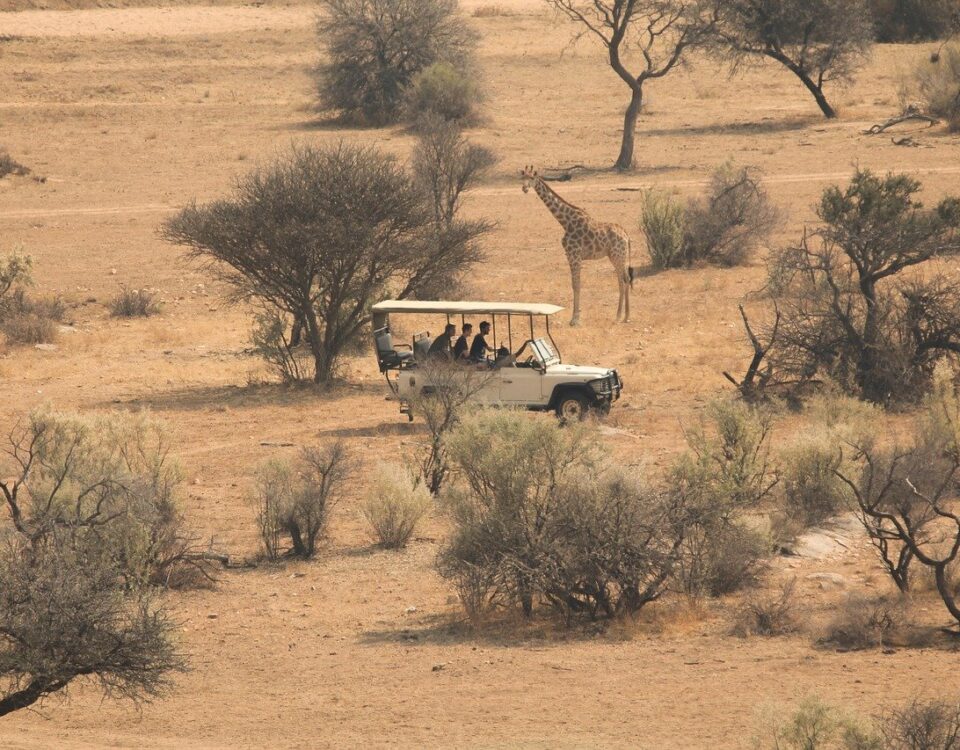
{"x":530,"y":376}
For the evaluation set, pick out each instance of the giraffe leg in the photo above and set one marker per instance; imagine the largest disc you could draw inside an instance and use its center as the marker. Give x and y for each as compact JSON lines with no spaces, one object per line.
{"x":619,"y":297}
{"x":575,"y":281}
{"x":626,"y":297}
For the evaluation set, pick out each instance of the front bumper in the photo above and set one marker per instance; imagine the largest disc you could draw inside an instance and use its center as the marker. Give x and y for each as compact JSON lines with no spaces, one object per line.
{"x":608,"y":388}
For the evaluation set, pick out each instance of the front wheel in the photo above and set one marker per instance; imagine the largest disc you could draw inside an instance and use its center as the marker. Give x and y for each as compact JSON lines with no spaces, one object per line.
{"x":572,"y":407}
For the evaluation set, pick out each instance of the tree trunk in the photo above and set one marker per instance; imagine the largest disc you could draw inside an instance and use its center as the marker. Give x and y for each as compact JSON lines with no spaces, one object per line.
{"x":813,"y":88}
{"x":871,"y":386}
{"x":625,"y":159}
{"x":322,"y":359}
{"x":28,"y":696}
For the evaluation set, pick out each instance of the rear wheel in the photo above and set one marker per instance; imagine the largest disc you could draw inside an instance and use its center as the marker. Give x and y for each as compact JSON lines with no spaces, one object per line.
{"x":572,"y":407}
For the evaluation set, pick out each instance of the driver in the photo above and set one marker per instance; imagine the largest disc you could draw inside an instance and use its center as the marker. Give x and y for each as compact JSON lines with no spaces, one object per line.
{"x":479,"y":348}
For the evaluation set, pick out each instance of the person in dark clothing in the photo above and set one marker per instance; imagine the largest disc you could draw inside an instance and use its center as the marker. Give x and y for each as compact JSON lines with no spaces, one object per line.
{"x":479,"y":348}
{"x":441,"y":346}
{"x":461,"y":348}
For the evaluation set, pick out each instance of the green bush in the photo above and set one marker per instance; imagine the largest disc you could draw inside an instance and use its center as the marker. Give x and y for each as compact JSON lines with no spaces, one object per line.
{"x":722,"y":228}
{"x":727,"y":474}
{"x":662,"y":222}
{"x":376,"y":48}
{"x":541,"y":518}
{"x":812,"y":491}
{"x":441,"y":90}
{"x":394,"y":505}
{"x":814,"y":725}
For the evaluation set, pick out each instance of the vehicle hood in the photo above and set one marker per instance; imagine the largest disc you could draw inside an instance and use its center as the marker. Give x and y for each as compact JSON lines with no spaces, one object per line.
{"x":578,"y":370}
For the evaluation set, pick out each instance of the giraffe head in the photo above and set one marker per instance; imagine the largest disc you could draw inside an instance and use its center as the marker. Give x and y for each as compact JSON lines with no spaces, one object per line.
{"x":529,"y":176}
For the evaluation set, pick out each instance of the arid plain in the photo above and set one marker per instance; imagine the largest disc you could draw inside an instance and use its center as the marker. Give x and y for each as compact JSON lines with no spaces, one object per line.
{"x":131,"y":112}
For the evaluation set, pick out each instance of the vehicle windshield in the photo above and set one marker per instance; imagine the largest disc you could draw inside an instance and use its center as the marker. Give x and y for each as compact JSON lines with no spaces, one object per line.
{"x":547,"y":354}
{"x":537,"y":352}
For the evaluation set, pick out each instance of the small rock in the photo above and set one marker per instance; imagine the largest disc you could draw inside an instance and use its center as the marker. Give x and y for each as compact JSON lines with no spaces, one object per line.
{"x":410,"y":610}
{"x":45,"y":347}
{"x":438,"y":667}
{"x":113,"y":271}
{"x":212,"y":616}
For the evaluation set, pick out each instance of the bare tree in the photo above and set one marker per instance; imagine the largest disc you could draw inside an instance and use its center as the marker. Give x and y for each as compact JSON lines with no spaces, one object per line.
{"x":319,"y":235}
{"x":843,"y":311}
{"x":454,"y":386}
{"x":819,"y":41}
{"x":657,"y":32}
{"x":445,"y":165}
{"x":63,"y":618}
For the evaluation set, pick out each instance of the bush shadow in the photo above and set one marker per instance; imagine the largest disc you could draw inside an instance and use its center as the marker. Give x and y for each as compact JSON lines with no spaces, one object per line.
{"x":737,"y":128}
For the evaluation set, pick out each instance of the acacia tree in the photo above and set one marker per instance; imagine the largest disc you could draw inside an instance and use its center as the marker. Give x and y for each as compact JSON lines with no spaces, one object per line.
{"x":844,"y":307}
{"x":658,"y":32}
{"x":375,"y":49}
{"x":320,"y":235}
{"x":819,"y":41}
{"x":64,"y":618}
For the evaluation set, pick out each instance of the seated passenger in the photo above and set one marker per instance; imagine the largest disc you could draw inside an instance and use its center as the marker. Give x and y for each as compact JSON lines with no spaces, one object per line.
{"x":479,"y":348}
{"x":441,"y":347}
{"x":461,"y":348}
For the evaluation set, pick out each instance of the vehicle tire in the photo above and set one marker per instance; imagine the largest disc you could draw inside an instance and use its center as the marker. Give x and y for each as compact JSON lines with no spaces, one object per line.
{"x":572,"y":407}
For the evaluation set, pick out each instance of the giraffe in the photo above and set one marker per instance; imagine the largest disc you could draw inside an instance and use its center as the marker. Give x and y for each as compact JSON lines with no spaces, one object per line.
{"x":586,"y":239}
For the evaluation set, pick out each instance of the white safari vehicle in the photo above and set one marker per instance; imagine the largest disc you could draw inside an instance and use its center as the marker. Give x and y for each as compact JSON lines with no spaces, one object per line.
{"x":529,"y":376}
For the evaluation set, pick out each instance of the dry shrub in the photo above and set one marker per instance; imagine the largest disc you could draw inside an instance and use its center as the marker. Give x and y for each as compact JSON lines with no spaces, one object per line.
{"x":134,"y":303}
{"x":812,"y":492}
{"x":294,"y":500}
{"x":109,"y":482}
{"x":730,"y":221}
{"x":376,"y":48}
{"x":24,"y":319}
{"x":272,"y":341}
{"x":542,"y":518}
{"x":394,"y":505}
{"x":768,"y":614}
{"x":814,"y":725}
{"x":863,"y":622}
{"x":938,"y":83}
{"x":922,"y":725}
{"x":8,"y":165}
{"x":722,"y":228}
{"x":727,"y":474}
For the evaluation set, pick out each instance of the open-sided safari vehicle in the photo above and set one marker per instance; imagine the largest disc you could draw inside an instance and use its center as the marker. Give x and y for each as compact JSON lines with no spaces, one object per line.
{"x":529,"y":376}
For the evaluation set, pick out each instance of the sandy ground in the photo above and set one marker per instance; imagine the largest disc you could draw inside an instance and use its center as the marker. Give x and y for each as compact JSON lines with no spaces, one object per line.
{"x":129,"y":113}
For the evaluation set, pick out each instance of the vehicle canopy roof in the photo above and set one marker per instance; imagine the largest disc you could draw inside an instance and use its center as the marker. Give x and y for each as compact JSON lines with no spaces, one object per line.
{"x":465,"y":308}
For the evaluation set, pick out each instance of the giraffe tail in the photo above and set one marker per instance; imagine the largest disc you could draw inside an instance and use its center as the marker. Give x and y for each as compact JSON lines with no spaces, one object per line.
{"x":630,"y":275}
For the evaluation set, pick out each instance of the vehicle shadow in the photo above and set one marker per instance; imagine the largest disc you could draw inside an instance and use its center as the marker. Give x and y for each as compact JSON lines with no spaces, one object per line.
{"x":201,"y":398}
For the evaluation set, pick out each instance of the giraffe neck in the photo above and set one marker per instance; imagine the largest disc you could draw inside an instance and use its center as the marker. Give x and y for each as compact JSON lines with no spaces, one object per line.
{"x":564,"y":212}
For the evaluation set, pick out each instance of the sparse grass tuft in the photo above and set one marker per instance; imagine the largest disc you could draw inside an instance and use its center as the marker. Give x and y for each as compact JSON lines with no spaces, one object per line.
{"x":134,"y":303}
